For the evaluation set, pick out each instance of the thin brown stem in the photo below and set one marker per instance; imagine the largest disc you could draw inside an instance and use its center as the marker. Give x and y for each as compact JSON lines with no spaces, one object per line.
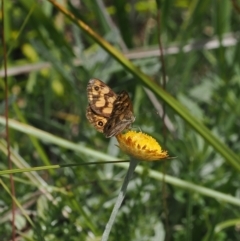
{"x":7,"y":127}
{"x":161,"y":56}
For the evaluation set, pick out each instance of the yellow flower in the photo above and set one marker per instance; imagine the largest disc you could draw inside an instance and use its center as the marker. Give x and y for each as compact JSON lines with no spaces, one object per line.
{"x":141,"y":146}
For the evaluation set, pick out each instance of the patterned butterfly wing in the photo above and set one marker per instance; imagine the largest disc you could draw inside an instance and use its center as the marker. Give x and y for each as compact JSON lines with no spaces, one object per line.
{"x":96,"y":120}
{"x":100,"y":97}
{"x":121,"y":117}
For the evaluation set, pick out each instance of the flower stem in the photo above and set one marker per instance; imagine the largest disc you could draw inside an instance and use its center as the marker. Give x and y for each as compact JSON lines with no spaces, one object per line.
{"x":121,"y":195}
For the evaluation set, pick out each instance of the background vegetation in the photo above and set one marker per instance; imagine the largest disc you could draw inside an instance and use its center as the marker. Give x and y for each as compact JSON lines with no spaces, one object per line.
{"x":50,"y":61}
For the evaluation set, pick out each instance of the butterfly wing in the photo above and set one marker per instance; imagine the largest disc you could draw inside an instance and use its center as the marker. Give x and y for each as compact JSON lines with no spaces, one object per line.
{"x":121,"y":117}
{"x":100,"y":97}
{"x":96,"y":120}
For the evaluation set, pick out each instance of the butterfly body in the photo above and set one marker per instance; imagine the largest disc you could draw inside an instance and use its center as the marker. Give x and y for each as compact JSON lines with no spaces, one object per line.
{"x":108,"y":112}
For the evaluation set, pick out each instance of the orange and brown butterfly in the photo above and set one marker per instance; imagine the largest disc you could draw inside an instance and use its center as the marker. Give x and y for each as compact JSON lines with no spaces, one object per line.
{"x":108,"y":112}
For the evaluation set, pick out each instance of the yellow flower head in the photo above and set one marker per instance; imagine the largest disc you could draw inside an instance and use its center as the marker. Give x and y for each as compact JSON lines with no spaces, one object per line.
{"x":141,"y":146}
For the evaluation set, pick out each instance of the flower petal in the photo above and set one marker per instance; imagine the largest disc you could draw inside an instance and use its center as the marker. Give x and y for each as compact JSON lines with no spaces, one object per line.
{"x":141,"y":146}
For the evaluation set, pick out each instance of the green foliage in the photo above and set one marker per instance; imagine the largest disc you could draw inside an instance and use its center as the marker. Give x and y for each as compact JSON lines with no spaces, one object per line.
{"x":50,"y":94}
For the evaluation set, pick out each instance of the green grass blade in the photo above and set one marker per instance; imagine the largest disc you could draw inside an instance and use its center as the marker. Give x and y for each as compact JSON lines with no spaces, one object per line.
{"x":96,"y":154}
{"x":222,"y":149}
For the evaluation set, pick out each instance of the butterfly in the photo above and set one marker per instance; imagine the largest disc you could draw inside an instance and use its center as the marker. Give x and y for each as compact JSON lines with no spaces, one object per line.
{"x":108,"y":112}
